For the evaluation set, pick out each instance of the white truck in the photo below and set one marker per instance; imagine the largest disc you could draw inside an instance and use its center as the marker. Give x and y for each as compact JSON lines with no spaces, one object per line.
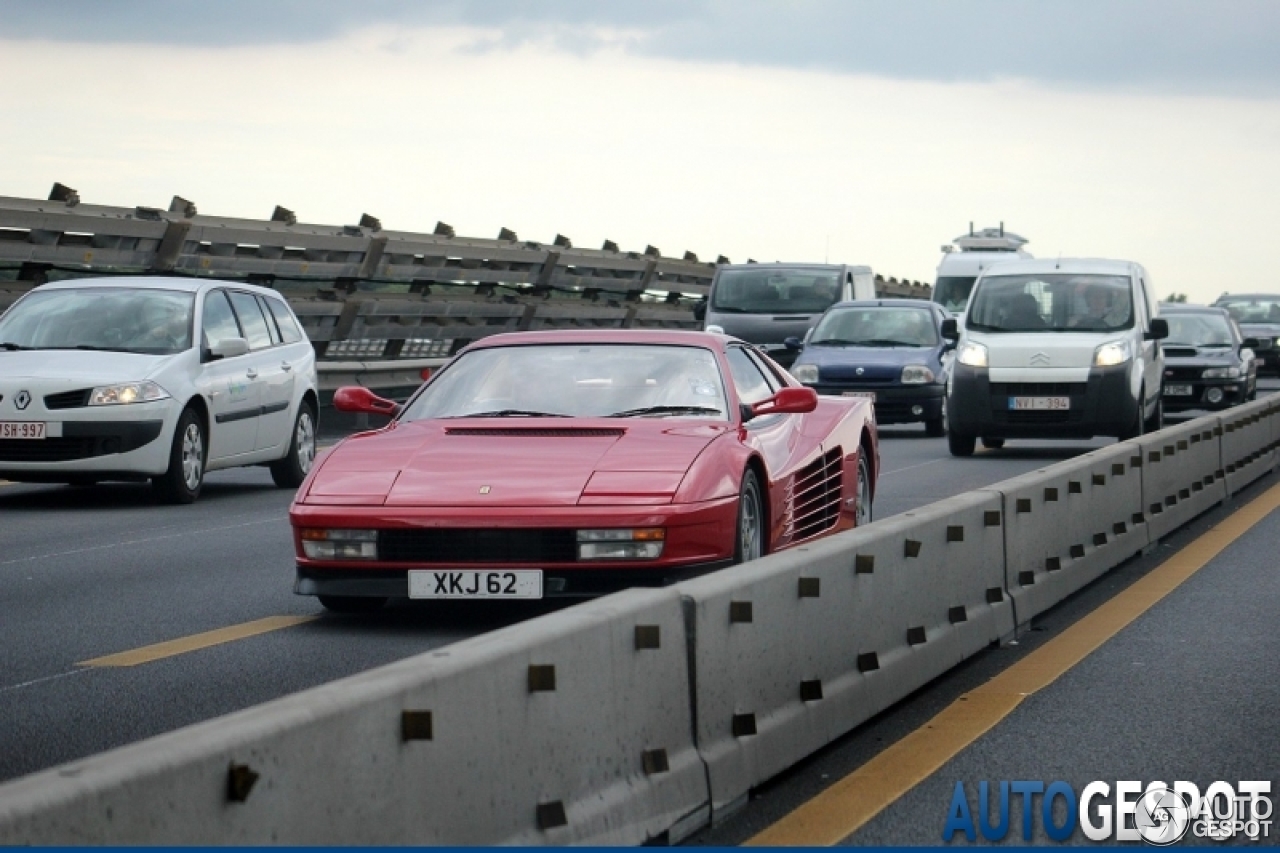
{"x":967,"y":257}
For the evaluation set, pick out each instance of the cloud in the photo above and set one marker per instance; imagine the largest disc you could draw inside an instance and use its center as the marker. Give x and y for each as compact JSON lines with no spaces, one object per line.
{"x":1227,"y":47}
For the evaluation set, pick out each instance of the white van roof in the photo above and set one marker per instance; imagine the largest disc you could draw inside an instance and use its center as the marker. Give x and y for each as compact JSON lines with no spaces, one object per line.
{"x":1099,"y":266}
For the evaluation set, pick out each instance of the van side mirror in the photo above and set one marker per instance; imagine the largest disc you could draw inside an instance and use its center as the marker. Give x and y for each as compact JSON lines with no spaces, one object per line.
{"x":1249,"y":343}
{"x":793,"y":343}
{"x":950,"y":329}
{"x":700,"y":310}
{"x":1159,"y":330}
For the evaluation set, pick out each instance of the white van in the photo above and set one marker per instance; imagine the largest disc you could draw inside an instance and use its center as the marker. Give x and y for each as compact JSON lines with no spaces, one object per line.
{"x":1063,"y":348}
{"x":967,"y":257}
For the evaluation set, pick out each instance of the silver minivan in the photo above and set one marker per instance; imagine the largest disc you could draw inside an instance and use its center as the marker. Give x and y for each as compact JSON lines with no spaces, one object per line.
{"x":765,"y":304}
{"x":1065,"y":348}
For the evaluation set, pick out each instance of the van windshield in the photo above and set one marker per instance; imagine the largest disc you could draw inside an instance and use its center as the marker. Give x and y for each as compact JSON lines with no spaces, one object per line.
{"x":775,"y":291}
{"x":1057,"y":302}
{"x":952,"y":291}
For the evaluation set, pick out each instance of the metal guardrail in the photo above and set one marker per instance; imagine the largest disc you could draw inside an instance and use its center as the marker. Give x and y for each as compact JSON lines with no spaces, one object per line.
{"x":363,"y":292}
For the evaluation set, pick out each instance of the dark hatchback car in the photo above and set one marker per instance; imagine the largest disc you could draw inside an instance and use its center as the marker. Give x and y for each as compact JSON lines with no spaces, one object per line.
{"x":888,"y":349}
{"x":1258,"y":315}
{"x":1208,"y":363}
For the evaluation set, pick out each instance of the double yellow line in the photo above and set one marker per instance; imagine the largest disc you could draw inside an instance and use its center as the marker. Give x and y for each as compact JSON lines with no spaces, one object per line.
{"x":846,"y":806}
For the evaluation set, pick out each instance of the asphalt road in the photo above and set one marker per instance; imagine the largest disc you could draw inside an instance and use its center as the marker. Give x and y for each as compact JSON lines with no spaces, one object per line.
{"x":91,"y":580}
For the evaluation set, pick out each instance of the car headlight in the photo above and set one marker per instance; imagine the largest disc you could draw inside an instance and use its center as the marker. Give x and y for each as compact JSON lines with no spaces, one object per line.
{"x":644,"y":543}
{"x":326,"y":544}
{"x":805,"y":373}
{"x":1109,"y":355}
{"x":127,"y":392}
{"x":1221,"y":373}
{"x":916,"y":374}
{"x":972,"y":354}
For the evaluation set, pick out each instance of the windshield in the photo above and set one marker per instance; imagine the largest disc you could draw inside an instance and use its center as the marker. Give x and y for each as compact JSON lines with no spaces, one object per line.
{"x":1252,"y":309}
{"x":1054,"y":302}
{"x":1198,"y":330}
{"x":124,"y":319}
{"x":875,"y":327}
{"x":775,"y":291}
{"x":952,"y":291}
{"x":576,"y":380}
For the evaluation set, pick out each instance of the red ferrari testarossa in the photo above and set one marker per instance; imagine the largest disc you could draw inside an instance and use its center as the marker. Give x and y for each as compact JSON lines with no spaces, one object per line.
{"x":578,"y":463}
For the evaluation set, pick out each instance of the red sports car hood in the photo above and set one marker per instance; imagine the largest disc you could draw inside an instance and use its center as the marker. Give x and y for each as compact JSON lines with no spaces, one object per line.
{"x":483,"y":463}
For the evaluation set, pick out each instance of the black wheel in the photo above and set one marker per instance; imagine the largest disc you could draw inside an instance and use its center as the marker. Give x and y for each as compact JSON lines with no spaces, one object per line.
{"x":181,"y":484}
{"x":961,"y":445}
{"x":1135,"y":429}
{"x":993,"y":443}
{"x":1155,"y":423}
{"x":862,"y":512}
{"x":749,"y":543}
{"x":937,"y":427}
{"x":289,"y":472}
{"x":352,"y":603}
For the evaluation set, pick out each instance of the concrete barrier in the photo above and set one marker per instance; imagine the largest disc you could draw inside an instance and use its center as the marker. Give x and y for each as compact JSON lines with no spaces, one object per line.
{"x":1248,"y":442}
{"x":1070,"y":522}
{"x":572,"y":728}
{"x":794,"y":650}
{"x":1181,"y":473}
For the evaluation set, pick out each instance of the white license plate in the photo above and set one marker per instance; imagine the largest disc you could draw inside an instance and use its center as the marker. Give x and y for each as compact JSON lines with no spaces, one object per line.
{"x":869,"y":395}
{"x":472,"y":583}
{"x":22,"y":429}
{"x":1037,"y":404}
{"x":1177,"y":390}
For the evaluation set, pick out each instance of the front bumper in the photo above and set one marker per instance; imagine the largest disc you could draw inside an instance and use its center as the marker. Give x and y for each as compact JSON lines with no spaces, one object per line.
{"x":1103,"y":405}
{"x":895,"y":402}
{"x":1233,"y":394}
{"x":699,"y":538}
{"x":123,"y":443}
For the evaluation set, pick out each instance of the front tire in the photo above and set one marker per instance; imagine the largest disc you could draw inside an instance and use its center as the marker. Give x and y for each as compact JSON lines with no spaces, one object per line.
{"x":289,"y":472}
{"x":1155,"y":423}
{"x":352,"y":603}
{"x":961,"y":445}
{"x":749,"y":541}
{"x":182,"y":482}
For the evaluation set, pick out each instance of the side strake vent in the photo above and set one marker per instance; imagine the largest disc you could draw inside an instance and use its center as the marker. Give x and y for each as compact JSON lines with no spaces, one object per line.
{"x":536,"y":432}
{"x":817,"y":494}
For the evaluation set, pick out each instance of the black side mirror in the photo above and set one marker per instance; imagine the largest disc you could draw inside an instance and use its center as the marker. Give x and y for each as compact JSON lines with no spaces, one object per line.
{"x":1159,"y":330}
{"x":1249,"y":343}
{"x":793,"y":343}
{"x":700,"y":310}
{"x":950,"y":330}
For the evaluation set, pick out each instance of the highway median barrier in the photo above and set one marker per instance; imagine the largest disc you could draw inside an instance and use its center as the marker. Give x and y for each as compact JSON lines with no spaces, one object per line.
{"x":1248,"y":435}
{"x":1182,"y":473}
{"x":792,"y":651}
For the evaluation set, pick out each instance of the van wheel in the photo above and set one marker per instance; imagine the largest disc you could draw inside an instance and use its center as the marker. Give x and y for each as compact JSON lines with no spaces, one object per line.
{"x":1155,"y":423}
{"x":1135,"y":429}
{"x":961,"y":445}
{"x":993,"y":443}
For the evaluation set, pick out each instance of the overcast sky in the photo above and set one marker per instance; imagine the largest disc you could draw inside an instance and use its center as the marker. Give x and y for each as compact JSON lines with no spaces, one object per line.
{"x":869,"y":132}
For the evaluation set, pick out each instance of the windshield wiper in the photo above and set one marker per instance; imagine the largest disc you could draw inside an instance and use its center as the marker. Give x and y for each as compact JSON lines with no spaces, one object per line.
{"x":728,"y":309}
{"x":1212,"y":346}
{"x":885,"y":342}
{"x":664,"y":410}
{"x":11,"y":347}
{"x":512,"y":413}
{"x":835,"y":342}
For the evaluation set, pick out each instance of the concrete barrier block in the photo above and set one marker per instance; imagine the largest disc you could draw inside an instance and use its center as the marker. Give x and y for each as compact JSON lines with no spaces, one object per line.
{"x":1068,"y":523}
{"x":793,"y":650}
{"x":572,"y":728}
{"x":1248,"y":445}
{"x":1181,"y":473}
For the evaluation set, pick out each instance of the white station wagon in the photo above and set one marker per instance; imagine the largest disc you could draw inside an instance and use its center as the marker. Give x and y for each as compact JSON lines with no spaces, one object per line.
{"x":154,"y":378}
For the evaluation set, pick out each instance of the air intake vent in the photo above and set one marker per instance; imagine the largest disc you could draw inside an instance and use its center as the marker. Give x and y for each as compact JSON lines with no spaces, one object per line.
{"x":817,"y":494}
{"x":1179,"y":352}
{"x":67,"y":399}
{"x":535,"y":432}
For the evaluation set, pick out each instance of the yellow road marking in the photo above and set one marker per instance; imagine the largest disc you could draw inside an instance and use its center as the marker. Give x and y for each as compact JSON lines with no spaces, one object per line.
{"x":843,"y":808}
{"x":182,"y":645}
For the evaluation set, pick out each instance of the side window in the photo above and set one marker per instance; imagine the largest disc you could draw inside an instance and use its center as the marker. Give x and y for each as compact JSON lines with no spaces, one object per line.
{"x":770,"y":375}
{"x":255,"y":325}
{"x":218,"y":323}
{"x":284,"y":319}
{"x":271,"y":321}
{"x":750,"y":383}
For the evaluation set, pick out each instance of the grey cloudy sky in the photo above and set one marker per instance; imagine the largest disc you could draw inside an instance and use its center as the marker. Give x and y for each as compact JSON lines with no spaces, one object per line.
{"x":1168,"y":46}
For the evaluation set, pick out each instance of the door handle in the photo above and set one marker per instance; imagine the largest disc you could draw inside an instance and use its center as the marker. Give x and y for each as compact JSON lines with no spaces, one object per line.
{"x":251,"y":373}
{"x":286,"y":366}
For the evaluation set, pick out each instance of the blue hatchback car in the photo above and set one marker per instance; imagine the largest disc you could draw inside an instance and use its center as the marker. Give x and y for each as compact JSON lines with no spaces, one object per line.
{"x":890,"y":350}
